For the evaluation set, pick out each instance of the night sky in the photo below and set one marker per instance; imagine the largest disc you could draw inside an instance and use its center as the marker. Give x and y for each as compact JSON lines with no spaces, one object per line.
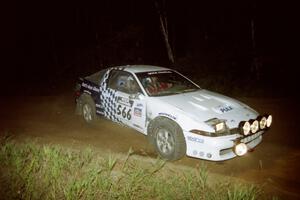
{"x":60,"y":40}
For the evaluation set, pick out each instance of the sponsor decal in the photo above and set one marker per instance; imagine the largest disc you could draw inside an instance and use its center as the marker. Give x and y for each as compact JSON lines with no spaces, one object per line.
{"x":125,"y":101}
{"x":160,"y":72}
{"x":195,"y":139}
{"x":225,"y":109}
{"x":90,"y":87}
{"x":137,"y":112}
{"x":167,"y":115}
{"x":139,"y":105}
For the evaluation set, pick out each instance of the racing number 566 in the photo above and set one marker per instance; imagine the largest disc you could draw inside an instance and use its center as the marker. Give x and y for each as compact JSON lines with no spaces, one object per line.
{"x":125,"y":113}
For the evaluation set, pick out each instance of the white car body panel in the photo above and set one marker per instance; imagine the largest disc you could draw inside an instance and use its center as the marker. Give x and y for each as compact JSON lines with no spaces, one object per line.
{"x":190,"y":111}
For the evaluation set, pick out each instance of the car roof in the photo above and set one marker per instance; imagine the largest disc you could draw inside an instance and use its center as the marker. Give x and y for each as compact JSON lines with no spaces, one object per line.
{"x":142,"y":68}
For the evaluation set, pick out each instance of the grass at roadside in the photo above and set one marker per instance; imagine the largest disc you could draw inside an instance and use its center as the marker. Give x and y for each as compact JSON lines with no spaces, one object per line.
{"x":32,"y":171}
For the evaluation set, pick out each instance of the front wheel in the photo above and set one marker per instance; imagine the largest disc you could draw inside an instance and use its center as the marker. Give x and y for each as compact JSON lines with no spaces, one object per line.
{"x":168,"y":139}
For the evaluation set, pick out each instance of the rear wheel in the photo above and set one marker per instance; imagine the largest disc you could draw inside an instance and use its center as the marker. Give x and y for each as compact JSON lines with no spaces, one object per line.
{"x":88,"y":109}
{"x":168,"y":139}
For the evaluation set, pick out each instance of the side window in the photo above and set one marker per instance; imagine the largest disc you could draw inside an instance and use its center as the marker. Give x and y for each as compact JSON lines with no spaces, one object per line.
{"x":124,"y":82}
{"x":101,"y":75}
{"x":112,"y":82}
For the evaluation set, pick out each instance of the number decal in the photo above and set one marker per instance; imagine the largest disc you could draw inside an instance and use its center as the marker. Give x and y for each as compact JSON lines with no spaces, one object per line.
{"x":119,"y":109}
{"x":126,"y":114}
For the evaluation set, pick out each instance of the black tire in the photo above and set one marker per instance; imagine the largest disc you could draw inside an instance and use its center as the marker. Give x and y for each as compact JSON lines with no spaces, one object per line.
{"x":167,"y":138}
{"x":88,"y":109}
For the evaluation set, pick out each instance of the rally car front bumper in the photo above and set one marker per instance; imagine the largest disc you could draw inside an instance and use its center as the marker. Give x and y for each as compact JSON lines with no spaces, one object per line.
{"x":219,"y":148}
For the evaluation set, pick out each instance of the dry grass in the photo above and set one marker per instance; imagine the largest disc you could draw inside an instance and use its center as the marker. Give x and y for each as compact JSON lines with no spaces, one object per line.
{"x":32,"y":171}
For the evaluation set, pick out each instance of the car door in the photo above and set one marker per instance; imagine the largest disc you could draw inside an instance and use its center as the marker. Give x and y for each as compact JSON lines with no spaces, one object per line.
{"x":130,"y":107}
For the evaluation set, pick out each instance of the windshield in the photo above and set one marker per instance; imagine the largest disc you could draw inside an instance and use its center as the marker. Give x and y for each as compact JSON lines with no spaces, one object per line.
{"x":161,"y":83}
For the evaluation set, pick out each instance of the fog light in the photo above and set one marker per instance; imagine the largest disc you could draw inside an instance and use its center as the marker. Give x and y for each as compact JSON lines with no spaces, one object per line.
{"x":240,"y":149}
{"x":269,"y":120}
{"x":208,"y":155}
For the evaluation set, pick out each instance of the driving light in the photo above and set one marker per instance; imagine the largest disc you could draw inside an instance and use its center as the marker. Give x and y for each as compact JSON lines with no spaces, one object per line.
{"x":262,"y":123}
{"x":254,"y":126}
{"x":240,"y":149}
{"x":245,"y":128}
{"x":269,"y":120}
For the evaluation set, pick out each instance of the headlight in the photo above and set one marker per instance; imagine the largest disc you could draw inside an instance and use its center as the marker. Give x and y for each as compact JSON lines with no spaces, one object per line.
{"x":240,"y":149}
{"x":269,"y":120}
{"x":245,"y":127}
{"x":254,"y":126}
{"x":262,"y":122}
{"x":220,"y":126}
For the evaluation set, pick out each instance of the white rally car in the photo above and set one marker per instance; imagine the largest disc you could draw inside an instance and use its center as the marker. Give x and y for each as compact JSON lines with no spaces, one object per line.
{"x":178,"y":117}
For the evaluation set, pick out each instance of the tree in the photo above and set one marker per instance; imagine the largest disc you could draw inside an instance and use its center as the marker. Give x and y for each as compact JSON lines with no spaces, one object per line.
{"x":164,"y":29}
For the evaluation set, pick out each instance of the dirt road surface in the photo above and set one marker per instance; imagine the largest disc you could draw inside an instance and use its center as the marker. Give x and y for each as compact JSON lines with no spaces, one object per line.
{"x":275,"y":163}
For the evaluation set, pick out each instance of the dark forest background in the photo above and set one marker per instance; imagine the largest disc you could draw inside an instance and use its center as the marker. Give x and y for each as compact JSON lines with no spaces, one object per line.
{"x":48,"y":44}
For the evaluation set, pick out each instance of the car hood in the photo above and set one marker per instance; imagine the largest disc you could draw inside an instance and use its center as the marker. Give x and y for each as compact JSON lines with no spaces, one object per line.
{"x":203,"y":105}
